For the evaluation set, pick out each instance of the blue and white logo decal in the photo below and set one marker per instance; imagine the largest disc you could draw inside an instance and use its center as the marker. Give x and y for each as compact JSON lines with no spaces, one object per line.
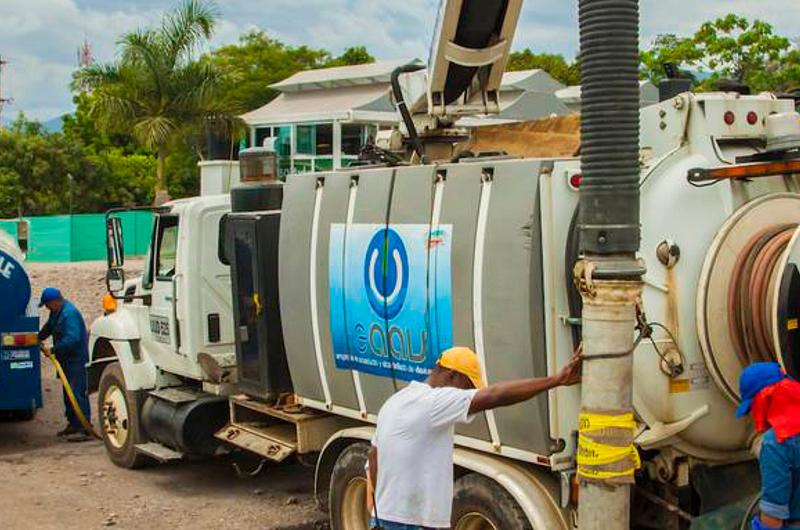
{"x":386,"y":273}
{"x":390,"y":298}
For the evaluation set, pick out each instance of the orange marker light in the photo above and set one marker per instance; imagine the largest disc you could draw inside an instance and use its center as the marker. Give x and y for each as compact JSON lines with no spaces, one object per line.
{"x":109,"y":303}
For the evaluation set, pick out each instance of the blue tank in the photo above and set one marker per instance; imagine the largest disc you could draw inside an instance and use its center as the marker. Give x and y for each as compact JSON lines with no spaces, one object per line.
{"x":20,"y":361}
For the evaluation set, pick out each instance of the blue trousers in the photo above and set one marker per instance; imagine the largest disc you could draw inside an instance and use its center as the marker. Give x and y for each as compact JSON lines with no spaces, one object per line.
{"x":75,"y":370}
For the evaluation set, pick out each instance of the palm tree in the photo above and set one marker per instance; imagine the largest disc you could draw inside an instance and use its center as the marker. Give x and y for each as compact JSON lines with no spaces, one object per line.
{"x":157,"y":90}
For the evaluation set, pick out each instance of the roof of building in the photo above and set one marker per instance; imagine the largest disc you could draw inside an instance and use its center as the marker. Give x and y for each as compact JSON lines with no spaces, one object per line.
{"x":572,"y":94}
{"x":536,"y":79}
{"x":520,"y":105}
{"x":322,"y":105}
{"x":342,"y":76}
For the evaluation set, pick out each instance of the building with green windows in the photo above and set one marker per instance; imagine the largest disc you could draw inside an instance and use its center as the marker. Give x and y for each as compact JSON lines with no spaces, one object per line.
{"x":322,"y":118}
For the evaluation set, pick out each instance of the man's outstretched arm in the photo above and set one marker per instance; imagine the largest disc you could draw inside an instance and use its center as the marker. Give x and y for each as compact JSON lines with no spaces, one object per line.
{"x":512,"y":392}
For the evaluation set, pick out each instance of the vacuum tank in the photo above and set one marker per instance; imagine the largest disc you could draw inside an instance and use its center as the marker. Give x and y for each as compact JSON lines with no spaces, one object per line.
{"x":20,"y":381}
{"x":381,"y":269}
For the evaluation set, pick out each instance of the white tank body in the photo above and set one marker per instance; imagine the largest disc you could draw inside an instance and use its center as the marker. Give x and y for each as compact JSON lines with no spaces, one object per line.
{"x":693,"y":412}
{"x":10,"y":247}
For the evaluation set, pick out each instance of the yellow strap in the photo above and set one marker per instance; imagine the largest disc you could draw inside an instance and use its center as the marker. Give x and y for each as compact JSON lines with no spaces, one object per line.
{"x":603,"y":475}
{"x":71,"y":395}
{"x":591,"y":421}
{"x":594,"y":453}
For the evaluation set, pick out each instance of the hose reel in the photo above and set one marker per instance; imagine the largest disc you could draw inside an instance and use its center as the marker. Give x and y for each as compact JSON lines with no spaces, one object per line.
{"x":748,"y":300}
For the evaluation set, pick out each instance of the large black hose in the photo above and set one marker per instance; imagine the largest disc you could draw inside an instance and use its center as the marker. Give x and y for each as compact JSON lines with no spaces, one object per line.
{"x":609,"y":60}
{"x":402,"y":108}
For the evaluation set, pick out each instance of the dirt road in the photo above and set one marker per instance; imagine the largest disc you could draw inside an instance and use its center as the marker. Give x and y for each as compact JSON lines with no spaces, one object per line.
{"x":49,"y":484}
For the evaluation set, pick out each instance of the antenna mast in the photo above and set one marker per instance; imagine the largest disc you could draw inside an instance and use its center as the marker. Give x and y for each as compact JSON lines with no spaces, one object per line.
{"x":3,"y":101}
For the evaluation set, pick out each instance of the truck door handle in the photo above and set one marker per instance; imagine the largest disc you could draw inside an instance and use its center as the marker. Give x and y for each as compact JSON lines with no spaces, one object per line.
{"x":259,"y":305}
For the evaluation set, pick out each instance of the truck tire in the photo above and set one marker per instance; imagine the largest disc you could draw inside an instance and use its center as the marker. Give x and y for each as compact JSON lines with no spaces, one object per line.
{"x":120,"y":426}
{"x":347,"y":495}
{"x":481,"y":504}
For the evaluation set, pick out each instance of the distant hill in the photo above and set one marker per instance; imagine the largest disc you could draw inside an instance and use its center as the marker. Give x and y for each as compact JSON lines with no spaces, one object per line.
{"x":52,"y":125}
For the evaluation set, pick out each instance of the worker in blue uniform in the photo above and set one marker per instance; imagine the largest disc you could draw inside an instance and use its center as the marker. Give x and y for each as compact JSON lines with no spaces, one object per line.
{"x":71,"y":348}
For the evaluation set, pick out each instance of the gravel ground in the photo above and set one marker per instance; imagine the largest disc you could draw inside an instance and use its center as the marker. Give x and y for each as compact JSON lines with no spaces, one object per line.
{"x":46,"y":483}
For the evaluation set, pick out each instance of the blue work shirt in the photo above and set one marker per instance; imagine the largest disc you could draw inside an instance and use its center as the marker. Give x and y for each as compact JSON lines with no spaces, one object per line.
{"x":70,"y":339}
{"x":780,"y":478}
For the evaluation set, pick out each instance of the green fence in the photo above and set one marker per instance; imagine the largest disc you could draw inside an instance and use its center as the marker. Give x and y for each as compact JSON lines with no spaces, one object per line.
{"x":61,"y":238}
{"x":9,"y":227}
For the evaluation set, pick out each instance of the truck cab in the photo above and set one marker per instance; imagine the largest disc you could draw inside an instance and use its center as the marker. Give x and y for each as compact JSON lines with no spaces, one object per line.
{"x":179,"y":308}
{"x":166,"y":336}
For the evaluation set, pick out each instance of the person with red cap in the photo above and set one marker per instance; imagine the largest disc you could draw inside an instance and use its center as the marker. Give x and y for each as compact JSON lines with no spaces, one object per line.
{"x":411,"y":459}
{"x":772,"y":399}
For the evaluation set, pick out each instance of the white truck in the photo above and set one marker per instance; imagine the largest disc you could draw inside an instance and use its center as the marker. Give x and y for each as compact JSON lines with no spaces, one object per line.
{"x":278,"y":318}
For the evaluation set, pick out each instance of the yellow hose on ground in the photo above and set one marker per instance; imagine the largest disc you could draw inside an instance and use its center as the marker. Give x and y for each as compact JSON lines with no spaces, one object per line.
{"x":70,"y":394}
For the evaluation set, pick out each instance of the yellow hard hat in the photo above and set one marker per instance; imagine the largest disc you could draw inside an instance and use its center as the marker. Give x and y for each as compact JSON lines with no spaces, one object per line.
{"x":464,"y":361}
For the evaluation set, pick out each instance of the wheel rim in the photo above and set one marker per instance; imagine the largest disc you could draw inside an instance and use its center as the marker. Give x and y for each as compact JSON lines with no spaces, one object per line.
{"x":474,"y":521}
{"x":354,"y":505}
{"x":115,"y":417}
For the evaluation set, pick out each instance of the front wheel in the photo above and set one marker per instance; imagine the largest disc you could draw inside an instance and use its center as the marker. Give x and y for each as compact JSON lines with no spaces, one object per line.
{"x":480,"y":504}
{"x":348,"y":490}
{"x":119,"y":411}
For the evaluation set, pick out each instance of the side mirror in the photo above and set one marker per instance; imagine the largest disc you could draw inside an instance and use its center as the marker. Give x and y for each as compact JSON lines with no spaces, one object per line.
{"x":115,"y":279}
{"x":115,"y":249}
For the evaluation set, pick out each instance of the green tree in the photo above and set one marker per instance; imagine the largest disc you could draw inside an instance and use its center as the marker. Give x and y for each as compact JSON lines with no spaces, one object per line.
{"x":352,"y":56}
{"x":735,"y":47}
{"x":552,"y":63}
{"x":45,"y":173}
{"x":158,"y":89}
{"x":728,"y":47}
{"x":668,"y":48}
{"x":258,"y":61}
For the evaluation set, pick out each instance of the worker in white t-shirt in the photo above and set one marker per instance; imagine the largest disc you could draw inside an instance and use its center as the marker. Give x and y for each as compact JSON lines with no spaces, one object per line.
{"x":411,"y":459}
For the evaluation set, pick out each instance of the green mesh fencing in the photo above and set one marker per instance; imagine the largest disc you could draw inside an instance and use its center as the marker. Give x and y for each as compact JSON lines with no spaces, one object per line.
{"x":62,"y":238}
{"x":50,"y":238}
{"x":9,"y":227}
{"x":88,"y":238}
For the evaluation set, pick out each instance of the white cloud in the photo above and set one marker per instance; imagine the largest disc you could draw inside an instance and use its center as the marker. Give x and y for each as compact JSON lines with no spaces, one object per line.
{"x":40,"y":37}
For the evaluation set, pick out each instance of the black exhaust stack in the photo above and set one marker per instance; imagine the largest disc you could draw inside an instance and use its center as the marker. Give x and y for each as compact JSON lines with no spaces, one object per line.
{"x":609,"y":202}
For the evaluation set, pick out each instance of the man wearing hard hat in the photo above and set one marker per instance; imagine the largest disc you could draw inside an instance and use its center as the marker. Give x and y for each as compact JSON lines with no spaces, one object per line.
{"x":411,"y":459}
{"x":71,"y":349}
{"x":773,"y":402}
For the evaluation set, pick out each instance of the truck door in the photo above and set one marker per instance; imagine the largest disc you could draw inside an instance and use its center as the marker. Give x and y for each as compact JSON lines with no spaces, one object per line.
{"x":164,"y":331}
{"x":261,"y":357}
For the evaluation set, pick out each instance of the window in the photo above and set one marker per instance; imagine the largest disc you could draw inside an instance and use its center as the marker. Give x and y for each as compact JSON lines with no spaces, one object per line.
{"x":315,"y":140}
{"x":283,"y":142}
{"x":147,"y":275}
{"x":167,"y":248}
{"x":355,"y":136}
{"x":351,"y":139}
{"x":305,"y":139}
{"x":323,"y":164}
{"x":303,"y":166}
{"x":262,"y":133}
{"x":324,"y":139}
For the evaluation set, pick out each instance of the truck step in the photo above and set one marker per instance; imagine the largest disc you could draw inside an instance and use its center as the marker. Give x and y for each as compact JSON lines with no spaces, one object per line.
{"x":275,"y":443}
{"x":158,"y":452}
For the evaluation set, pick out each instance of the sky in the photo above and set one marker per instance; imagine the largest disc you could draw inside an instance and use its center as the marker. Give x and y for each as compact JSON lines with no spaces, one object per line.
{"x":40,"y":38}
